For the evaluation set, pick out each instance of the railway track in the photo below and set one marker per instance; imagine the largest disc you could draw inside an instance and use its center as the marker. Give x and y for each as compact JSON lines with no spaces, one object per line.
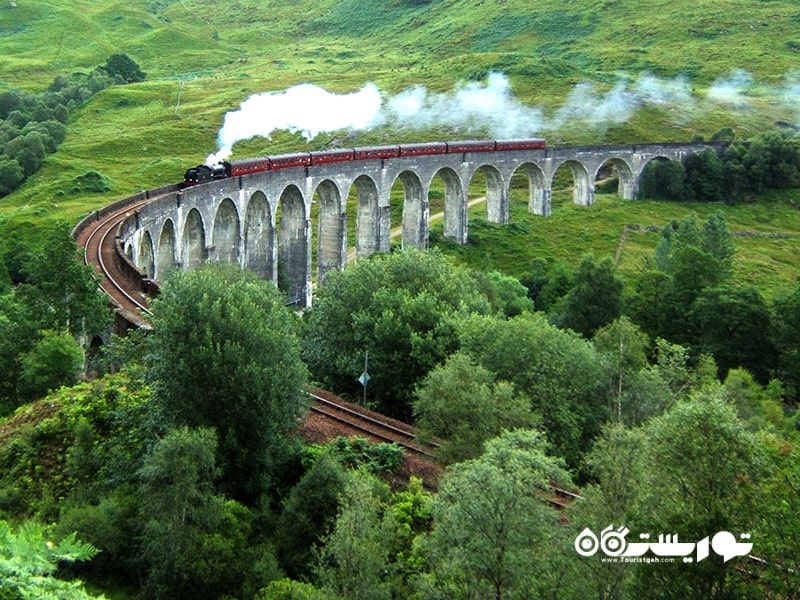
{"x":374,"y":427}
{"x":378,"y":429}
{"x":98,"y":239}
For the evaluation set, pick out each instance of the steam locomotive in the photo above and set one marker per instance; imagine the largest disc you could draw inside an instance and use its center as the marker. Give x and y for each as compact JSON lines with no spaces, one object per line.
{"x":204,"y":173}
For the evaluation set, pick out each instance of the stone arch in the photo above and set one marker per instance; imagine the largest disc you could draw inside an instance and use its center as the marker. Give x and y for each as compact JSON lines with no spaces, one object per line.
{"x":627,"y":182}
{"x":165,"y":259}
{"x":455,"y":205}
{"x":367,"y":216}
{"x":193,"y":243}
{"x":415,"y":213}
{"x":583,"y":186}
{"x":146,"y":261}
{"x":226,"y":235}
{"x":292,"y":245}
{"x":656,"y":158}
{"x":331,"y":234}
{"x":539,"y":196}
{"x":495,"y":194}
{"x":259,"y":238}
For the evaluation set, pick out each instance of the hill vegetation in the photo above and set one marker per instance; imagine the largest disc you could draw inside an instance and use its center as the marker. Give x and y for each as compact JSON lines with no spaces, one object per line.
{"x":650,"y":338}
{"x":202,"y":62}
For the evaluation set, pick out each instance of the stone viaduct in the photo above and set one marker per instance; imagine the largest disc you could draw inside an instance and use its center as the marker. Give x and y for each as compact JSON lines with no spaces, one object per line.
{"x":263,"y":221}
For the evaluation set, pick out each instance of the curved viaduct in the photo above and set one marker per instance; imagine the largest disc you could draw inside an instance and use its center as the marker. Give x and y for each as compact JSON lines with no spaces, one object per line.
{"x":263,"y":221}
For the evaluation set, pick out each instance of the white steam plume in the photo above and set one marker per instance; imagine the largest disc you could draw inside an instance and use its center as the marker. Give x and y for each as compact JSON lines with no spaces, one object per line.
{"x":790,"y":96}
{"x":490,"y":107}
{"x":670,"y":92}
{"x":306,"y":108}
{"x":477,"y":108}
{"x":731,"y":89}
{"x":587,"y":105}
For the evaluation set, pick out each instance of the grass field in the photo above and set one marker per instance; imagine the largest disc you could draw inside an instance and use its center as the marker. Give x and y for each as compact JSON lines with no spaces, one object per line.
{"x":770,"y":263}
{"x":204,"y":58}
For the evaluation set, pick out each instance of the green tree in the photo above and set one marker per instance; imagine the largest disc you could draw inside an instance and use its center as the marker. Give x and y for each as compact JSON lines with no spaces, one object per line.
{"x":18,"y":333}
{"x":777,"y":527}
{"x":28,"y":150}
{"x":288,"y":589}
{"x":11,"y":175}
{"x":692,"y":471}
{"x":354,"y":558}
{"x":718,"y":242}
{"x":733,"y":324}
{"x":673,"y":366}
{"x":735,"y":175}
{"x":769,"y":161}
{"x":409,"y":517}
{"x":461,"y":402}
{"x":308,"y":513}
{"x":786,"y":336}
{"x":55,"y":360}
{"x":688,"y":258}
{"x":124,"y":68}
{"x":61,"y":292}
{"x":676,"y":236}
{"x":625,"y":346}
{"x":399,"y":307}
{"x":548,"y":284}
{"x":704,"y":173}
{"x":9,"y":101}
{"x":694,"y":270}
{"x":649,"y":305}
{"x":663,"y":180}
{"x":701,"y":465}
{"x":595,"y":298}
{"x":563,"y":375}
{"x":507,"y":295}
{"x":615,"y":465}
{"x":492,"y":523}
{"x":195,"y":542}
{"x":113,"y":526}
{"x":754,"y":403}
{"x":225,"y":354}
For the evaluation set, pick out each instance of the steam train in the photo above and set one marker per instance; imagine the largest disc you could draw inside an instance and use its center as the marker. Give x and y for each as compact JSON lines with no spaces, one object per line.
{"x":204,"y":173}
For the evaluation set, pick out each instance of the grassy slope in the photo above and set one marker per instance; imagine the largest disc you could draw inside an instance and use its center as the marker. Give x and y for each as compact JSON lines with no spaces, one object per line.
{"x":213,"y":55}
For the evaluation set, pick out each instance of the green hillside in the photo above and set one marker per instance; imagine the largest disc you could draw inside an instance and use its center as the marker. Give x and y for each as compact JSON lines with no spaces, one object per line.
{"x":182,"y":464}
{"x":203,"y":59}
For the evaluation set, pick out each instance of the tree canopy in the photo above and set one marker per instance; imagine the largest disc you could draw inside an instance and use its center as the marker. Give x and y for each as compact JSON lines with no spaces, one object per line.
{"x":563,"y":375}
{"x":491,"y":519}
{"x":399,"y":307}
{"x":226,"y":355}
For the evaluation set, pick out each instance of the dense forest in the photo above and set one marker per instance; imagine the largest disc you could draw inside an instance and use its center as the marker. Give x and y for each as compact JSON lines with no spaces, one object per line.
{"x":641,"y":354}
{"x":178,"y":472}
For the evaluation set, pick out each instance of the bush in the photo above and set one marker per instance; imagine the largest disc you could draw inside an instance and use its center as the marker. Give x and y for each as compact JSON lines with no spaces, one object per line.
{"x":358,"y":451}
{"x":55,"y":360}
{"x":123,"y":67}
{"x":93,"y":182}
{"x":11,"y":175}
{"x":663,"y":180}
